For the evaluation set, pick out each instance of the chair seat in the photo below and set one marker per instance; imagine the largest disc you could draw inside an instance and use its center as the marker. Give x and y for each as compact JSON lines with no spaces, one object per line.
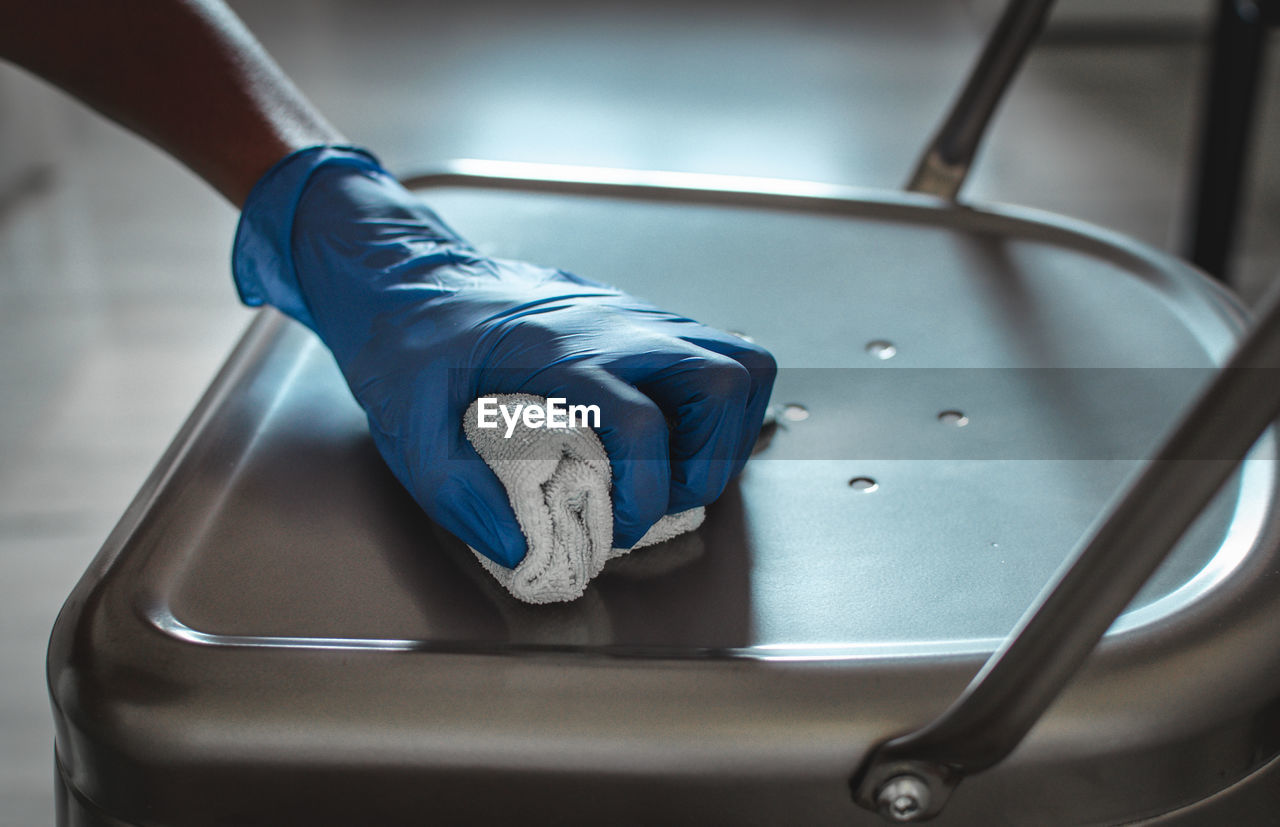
{"x":275,"y":631}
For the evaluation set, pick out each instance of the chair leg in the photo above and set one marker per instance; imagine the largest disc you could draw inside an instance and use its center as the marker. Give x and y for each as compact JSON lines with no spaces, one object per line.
{"x":1225,"y":120}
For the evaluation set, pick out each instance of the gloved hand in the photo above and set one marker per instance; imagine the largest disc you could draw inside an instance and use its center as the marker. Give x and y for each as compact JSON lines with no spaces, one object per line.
{"x":421,"y":325}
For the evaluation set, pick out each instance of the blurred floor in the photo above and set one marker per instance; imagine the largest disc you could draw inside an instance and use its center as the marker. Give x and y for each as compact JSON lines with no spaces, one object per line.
{"x":115,"y":301}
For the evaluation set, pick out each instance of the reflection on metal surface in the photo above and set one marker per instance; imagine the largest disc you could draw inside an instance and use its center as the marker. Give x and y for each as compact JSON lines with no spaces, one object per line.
{"x":903,"y":798}
{"x":1257,"y":490}
{"x":163,"y":619}
{"x":895,"y":649}
{"x":485,"y":173}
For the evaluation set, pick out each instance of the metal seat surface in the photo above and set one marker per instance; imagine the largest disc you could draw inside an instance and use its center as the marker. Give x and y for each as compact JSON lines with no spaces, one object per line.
{"x":1067,"y":366}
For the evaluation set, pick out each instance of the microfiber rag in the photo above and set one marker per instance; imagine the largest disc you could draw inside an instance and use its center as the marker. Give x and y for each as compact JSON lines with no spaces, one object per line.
{"x":558,"y":482}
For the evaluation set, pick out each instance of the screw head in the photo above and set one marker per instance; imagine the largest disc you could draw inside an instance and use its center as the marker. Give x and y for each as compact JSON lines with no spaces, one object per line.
{"x":903,"y":798}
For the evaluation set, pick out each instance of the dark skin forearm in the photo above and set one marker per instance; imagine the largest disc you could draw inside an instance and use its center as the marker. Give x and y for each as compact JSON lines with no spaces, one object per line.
{"x":185,"y":74}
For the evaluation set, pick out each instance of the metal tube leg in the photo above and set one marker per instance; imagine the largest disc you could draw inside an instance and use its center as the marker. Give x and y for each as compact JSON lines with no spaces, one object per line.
{"x":945,"y":164}
{"x":1226,"y":116}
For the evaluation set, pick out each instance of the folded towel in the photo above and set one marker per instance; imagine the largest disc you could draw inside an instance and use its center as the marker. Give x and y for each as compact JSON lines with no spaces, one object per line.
{"x":558,"y":482}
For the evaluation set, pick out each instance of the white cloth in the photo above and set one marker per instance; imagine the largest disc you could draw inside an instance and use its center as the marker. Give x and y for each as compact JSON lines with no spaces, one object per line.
{"x":557,"y":480}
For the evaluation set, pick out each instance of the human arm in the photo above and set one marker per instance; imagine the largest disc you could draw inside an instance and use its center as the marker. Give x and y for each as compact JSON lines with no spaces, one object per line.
{"x":185,"y":74}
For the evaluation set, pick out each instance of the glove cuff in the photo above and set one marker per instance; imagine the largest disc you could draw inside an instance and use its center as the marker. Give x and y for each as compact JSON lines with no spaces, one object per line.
{"x":261,"y":256}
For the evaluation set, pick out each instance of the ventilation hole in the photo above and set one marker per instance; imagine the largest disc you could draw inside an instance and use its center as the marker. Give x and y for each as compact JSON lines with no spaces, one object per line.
{"x":880,"y":349}
{"x":793,"y":412}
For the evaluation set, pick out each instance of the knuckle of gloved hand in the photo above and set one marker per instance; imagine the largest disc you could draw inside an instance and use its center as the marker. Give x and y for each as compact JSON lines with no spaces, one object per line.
{"x":760,"y":364}
{"x":723,"y":380}
{"x":645,"y":429}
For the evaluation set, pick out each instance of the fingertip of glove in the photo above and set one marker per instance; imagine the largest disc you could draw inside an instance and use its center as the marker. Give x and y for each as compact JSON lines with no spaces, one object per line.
{"x":480,"y":524}
{"x":682,"y":499}
{"x":626,"y":535}
{"x":498,"y":539}
{"x":506,"y":554}
{"x":494,"y":543}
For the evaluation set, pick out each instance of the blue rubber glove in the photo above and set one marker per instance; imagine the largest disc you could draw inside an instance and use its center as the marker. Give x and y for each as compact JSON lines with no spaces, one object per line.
{"x":421,"y":325}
